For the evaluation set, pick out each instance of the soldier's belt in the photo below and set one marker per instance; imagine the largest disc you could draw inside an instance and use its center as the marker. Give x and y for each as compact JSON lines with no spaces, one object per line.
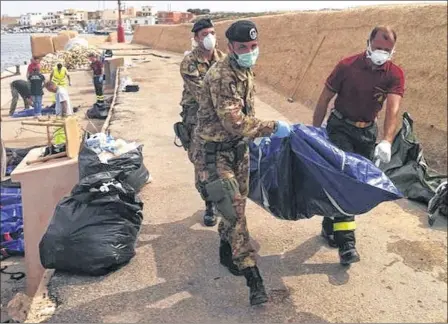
{"x":358,"y":124}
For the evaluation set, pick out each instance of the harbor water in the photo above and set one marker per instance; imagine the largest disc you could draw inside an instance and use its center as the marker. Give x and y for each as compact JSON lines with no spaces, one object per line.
{"x":16,"y":50}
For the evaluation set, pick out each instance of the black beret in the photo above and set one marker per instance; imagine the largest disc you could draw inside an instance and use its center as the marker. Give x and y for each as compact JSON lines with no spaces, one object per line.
{"x":242,"y":31}
{"x":201,"y":24}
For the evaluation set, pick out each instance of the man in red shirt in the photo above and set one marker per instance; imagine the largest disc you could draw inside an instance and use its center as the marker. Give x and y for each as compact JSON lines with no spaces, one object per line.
{"x":97,"y":68}
{"x":34,"y":64}
{"x":363,"y":83}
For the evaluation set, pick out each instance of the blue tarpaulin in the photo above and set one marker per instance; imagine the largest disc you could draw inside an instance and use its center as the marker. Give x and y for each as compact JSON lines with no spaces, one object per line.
{"x":11,"y":229}
{"x":305,"y":175}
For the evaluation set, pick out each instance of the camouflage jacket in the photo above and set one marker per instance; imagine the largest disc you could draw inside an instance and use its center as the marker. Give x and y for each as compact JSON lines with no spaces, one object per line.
{"x":226,"y":109}
{"x":193,"y":69}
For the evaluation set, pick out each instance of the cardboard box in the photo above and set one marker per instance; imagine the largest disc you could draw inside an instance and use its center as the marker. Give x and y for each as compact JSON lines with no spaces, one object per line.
{"x":41,"y":45}
{"x":60,"y":41}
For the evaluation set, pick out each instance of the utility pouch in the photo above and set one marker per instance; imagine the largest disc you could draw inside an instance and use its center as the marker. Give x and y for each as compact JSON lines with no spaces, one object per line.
{"x":240,"y":150}
{"x":215,"y":190}
{"x":182,"y":134}
{"x":221,"y":192}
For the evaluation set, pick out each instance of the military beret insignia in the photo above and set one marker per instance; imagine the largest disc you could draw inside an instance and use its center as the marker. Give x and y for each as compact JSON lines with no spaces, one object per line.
{"x":253,"y":33}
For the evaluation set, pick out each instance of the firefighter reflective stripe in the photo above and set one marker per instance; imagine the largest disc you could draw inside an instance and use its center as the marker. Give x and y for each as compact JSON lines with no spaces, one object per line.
{"x":100,"y":98}
{"x":344,"y":226}
{"x":59,"y":76}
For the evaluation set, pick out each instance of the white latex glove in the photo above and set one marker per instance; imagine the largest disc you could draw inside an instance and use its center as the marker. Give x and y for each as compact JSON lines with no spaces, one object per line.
{"x":262,"y":141}
{"x":383,"y":151}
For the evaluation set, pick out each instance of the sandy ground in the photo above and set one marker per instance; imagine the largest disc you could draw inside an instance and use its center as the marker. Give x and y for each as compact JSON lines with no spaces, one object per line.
{"x":176,"y":275}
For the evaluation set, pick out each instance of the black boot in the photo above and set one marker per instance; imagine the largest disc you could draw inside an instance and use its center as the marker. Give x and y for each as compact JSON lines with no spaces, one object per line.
{"x":257,"y":293}
{"x":327,"y":232}
{"x":210,"y":218}
{"x":348,"y":253}
{"x":225,"y":258}
{"x":329,"y":238}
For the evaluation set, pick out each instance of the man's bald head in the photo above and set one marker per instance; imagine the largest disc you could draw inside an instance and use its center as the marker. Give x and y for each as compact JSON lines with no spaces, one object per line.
{"x":383,"y":32}
{"x":382,"y":38}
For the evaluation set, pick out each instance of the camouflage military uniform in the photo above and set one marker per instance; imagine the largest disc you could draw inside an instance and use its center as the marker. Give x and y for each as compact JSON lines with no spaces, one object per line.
{"x":225,"y":120}
{"x":193,"y":69}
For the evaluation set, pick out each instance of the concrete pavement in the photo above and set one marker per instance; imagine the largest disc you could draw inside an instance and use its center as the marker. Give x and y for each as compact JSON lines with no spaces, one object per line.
{"x":176,"y":275}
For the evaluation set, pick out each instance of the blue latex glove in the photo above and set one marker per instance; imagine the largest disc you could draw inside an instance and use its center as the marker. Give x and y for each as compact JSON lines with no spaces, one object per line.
{"x":283,"y":129}
{"x":100,"y":79}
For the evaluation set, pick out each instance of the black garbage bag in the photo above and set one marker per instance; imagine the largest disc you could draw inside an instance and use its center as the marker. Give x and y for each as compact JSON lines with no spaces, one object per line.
{"x":98,"y":111}
{"x":128,"y":167}
{"x":93,"y":231}
{"x":408,"y":169}
{"x":15,"y":155}
{"x":438,"y":205}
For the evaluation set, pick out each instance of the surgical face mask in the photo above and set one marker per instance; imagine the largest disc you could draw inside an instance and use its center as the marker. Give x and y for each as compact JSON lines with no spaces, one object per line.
{"x":247,"y":60}
{"x":378,"y":57}
{"x":209,"y":42}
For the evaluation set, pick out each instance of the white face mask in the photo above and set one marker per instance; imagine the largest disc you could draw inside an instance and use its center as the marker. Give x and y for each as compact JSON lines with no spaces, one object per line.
{"x":209,"y":42}
{"x":378,"y":57}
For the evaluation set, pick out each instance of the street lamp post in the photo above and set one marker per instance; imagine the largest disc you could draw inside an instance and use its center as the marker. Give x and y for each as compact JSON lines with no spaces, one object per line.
{"x":120,"y":29}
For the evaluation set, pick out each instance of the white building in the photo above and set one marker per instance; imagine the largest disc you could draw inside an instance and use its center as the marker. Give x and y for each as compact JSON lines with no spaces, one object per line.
{"x":148,"y":11}
{"x":148,"y":20}
{"x":31,"y":19}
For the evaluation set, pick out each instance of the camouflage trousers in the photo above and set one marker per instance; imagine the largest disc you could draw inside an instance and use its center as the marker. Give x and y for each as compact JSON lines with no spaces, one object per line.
{"x":232,"y":230}
{"x":15,"y":98}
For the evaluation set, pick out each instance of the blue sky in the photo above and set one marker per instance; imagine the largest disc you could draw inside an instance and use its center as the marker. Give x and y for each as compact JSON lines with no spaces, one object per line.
{"x":15,"y":8}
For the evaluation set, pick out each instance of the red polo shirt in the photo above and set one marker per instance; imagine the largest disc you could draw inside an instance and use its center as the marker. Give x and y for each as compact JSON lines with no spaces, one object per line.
{"x":32,"y":66}
{"x":97,"y":68}
{"x":361,"y":90}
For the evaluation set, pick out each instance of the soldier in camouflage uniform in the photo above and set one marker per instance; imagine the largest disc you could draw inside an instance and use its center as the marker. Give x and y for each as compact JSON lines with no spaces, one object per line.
{"x":226,"y":120}
{"x":193,"y":69}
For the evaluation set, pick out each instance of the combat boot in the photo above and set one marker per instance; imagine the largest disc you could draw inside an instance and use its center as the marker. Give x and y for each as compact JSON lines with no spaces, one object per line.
{"x":348,"y":253}
{"x":257,"y":294}
{"x":225,"y":258}
{"x":329,"y":238}
{"x":327,"y":232}
{"x":210,"y":218}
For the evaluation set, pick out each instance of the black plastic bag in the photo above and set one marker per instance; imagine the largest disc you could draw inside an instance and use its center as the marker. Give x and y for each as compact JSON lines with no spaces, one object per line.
{"x":408,"y":169}
{"x":98,"y":111}
{"x":127,"y":167}
{"x":94,"y":231}
{"x":15,"y":155}
{"x":132,"y":88}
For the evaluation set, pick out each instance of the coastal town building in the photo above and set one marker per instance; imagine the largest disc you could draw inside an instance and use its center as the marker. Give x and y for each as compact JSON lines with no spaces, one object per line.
{"x":102,"y":19}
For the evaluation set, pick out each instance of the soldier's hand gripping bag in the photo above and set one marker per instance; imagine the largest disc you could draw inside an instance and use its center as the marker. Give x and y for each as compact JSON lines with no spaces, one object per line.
{"x":128,"y":167}
{"x":94,"y":230}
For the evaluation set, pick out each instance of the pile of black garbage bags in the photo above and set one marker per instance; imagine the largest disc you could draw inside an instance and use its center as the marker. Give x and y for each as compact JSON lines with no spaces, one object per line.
{"x":94,"y":230}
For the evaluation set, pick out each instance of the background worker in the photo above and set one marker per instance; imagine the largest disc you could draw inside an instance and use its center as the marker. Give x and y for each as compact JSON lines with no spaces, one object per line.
{"x":37,"y":81}
{"x":59,"y":76}
{"x":34,"y":63}
{"x":193,"y":69}
{"x":97,"y":68}
{"x":363,"y":83}
{"x":22,"y":88}
{"x":226,"y":118}
{"x":63,"y":104}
